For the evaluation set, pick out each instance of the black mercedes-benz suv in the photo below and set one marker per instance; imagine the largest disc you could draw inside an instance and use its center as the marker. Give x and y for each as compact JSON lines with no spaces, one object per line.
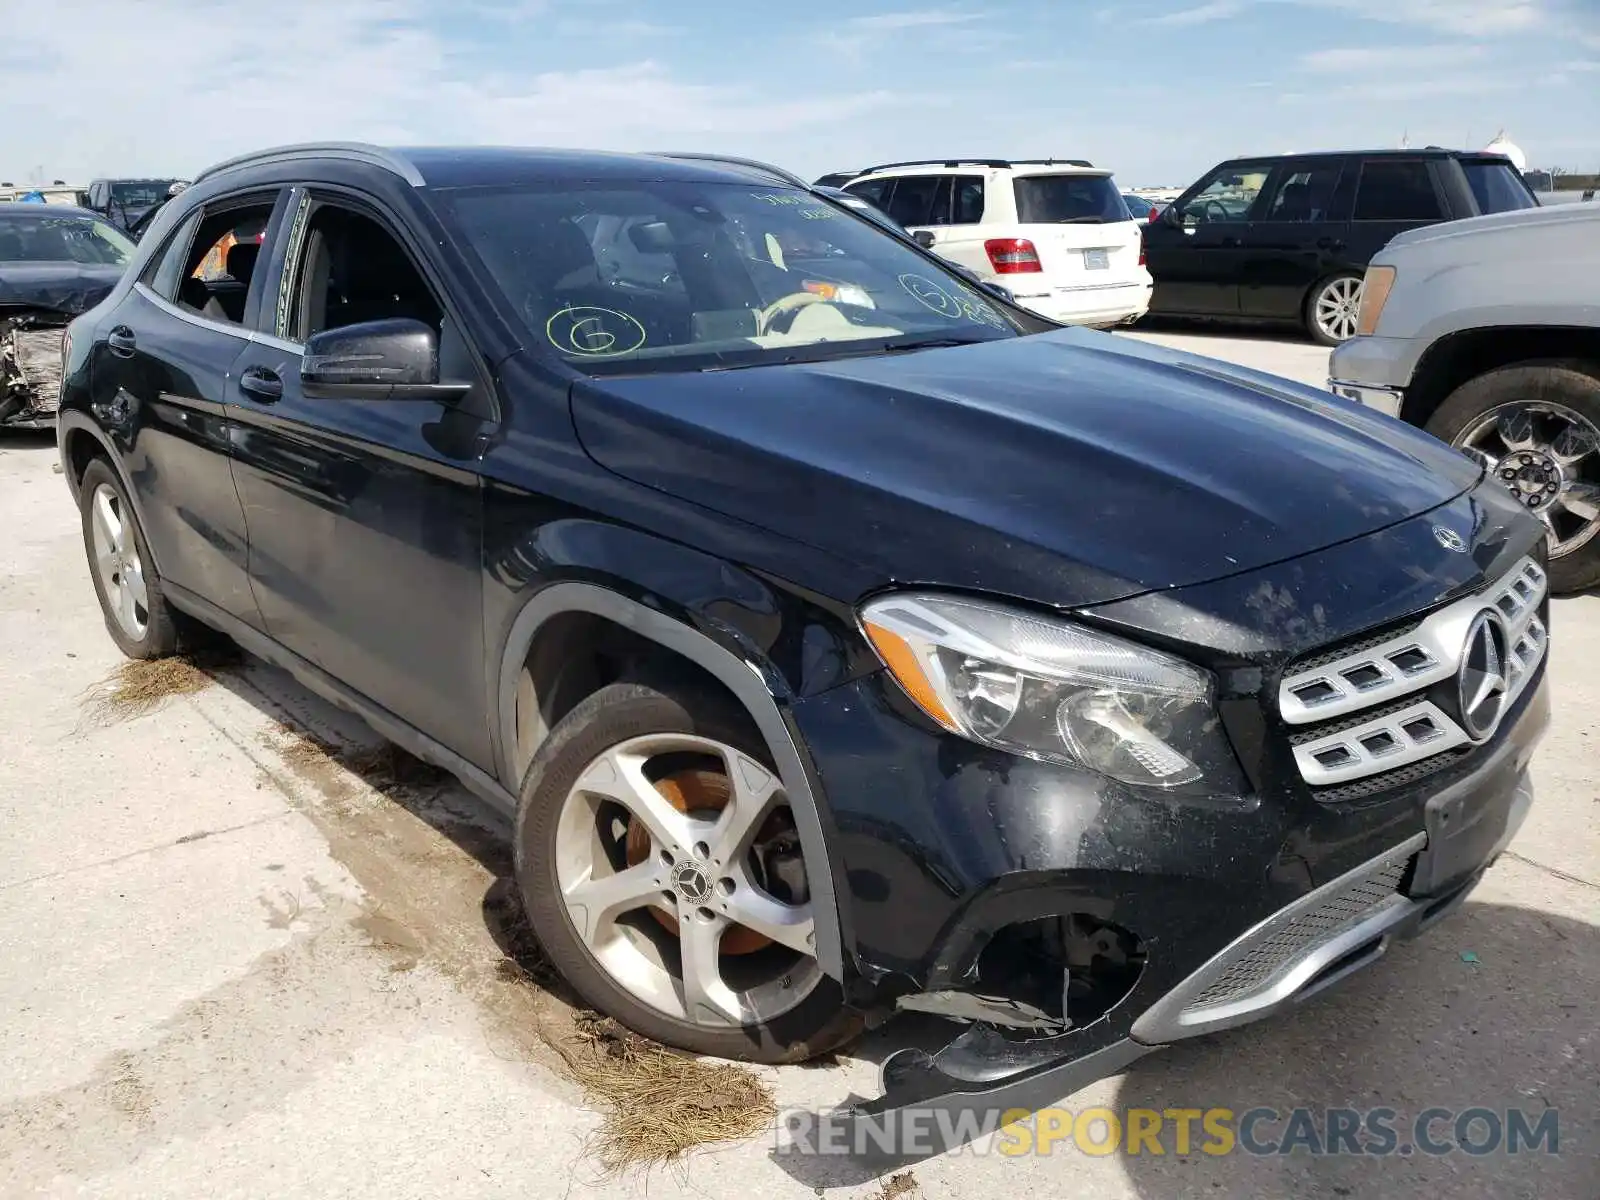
{"x":841,"y":639}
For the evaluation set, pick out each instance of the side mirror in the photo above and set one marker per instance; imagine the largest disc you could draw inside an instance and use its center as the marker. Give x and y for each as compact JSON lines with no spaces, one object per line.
{"x":392,"y":359}
{"x":923,"y":238}
{"x":998,"y":289}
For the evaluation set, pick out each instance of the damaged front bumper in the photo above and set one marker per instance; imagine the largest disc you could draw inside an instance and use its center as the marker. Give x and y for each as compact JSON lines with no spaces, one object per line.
{"x":1290,"y":956}
{"x":30,"y":369}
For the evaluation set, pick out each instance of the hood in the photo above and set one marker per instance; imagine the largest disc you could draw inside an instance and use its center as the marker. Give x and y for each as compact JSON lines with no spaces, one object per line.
{"x":70,"y":288}
{"x":1068,"y":468}
{"x":1558,"y":215}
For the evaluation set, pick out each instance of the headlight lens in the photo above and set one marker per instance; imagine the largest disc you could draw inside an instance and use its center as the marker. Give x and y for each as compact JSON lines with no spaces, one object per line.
{"x":1055,"y":691}
{"x":1375,"y":291}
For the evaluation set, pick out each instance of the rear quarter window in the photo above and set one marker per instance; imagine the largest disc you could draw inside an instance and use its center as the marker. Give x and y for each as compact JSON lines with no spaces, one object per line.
{"x":1497,"y":187}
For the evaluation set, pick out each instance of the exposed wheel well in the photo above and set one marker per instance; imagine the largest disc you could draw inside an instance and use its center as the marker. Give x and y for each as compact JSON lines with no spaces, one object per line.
{"x":80,"y":450}
{"x":574,"y":655}
{"x":1453,"y":360}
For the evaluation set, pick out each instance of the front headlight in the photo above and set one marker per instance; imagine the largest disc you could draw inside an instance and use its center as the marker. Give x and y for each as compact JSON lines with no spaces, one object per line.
{"x":1055,"y":691}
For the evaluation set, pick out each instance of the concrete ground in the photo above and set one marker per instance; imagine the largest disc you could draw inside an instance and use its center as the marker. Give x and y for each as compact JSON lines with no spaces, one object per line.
{"x":229,"y":967}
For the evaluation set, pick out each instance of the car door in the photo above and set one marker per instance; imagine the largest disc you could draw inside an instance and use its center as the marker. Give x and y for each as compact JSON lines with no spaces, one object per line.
{"x":365,"y":516}
{"x":1298,"y":238}
{"x":161,"y":370}
{"x":1195,"y":250}
{"x":1392,"y":195}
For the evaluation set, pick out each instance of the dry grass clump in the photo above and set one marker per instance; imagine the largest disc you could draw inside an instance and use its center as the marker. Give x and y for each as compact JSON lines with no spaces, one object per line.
{"x":657,"y":1104}
{"x":140,"y":686}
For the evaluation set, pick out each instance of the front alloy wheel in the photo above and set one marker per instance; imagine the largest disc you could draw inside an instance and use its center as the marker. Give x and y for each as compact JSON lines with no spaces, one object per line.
{"x":660,"y":867}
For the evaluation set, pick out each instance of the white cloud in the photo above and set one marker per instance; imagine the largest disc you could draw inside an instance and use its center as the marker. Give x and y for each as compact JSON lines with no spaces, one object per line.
{"x":1200,"y":14}
{"x":1473,"y":18}
{"x":189,"y":82}
{"x":1392,"y":60}
{"x":922,"y":19}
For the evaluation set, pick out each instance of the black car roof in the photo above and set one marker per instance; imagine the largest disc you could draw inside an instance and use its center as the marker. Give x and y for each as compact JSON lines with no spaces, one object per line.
{"x":1424,"y":152}
{"x":468,"y":166}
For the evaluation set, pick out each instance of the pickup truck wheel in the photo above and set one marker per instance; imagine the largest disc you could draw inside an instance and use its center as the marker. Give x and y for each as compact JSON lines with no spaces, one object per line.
{"x":1332,"y":310}
{"x":660,"y":869}
{"x":1536,"y":429}
{"x":137,"y":615}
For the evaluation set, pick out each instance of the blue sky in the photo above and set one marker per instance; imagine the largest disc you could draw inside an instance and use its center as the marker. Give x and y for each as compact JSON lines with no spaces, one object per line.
{"x":1157,"y":89}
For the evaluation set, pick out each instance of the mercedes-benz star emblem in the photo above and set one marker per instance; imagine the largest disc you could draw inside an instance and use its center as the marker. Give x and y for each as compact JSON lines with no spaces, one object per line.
{"x":692,"y":883}
{"x":1449,"y":539}
{"x":1483,"y":683}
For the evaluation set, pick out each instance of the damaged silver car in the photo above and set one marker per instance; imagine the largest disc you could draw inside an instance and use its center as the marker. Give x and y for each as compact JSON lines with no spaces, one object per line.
{"x":55,"y":263}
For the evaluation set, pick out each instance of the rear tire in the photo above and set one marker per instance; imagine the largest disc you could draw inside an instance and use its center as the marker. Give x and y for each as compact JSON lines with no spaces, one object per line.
{"x":1332,"y":308}
{"x":136,"y":612}
{"x":1534,"y":419}
{"x":622,"y":961}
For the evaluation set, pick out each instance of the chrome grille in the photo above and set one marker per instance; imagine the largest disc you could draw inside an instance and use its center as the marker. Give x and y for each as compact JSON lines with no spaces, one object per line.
{"x":1367,"y":702}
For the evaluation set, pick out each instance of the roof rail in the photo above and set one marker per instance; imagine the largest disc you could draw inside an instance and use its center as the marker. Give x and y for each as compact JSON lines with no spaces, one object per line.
{"x":376,"y":156}
{"x":978,"y":162}
{"x":732,"y":160}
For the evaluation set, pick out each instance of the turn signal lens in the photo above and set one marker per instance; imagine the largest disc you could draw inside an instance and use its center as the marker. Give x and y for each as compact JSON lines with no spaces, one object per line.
{"x":1374,"y":295}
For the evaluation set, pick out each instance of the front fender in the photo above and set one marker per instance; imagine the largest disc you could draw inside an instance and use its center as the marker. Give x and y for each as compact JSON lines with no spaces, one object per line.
{"x":765,"y":643}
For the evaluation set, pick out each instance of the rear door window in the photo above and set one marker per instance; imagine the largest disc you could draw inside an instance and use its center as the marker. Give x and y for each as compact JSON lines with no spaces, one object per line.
{"x":1397,"y":191}
{"x":1068,"y":200}
{"x":1497,"y":187}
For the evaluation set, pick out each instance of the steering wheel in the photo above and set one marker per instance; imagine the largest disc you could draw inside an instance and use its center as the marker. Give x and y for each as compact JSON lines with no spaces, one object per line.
{"x":1222,"y":212}
{"x":793,"y":302}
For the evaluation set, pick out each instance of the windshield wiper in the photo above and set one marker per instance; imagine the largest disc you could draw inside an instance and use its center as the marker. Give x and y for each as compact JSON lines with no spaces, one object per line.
{"x":928,"y":343}
{"x":1082,"y":221}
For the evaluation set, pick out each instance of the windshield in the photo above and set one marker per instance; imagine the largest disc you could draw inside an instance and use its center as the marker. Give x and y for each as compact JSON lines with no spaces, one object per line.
{"x":141,"y":194}
{"x":1138,"y":206}
{"x":673,"y":276}
{"x":62,"y":240}
{"x":1497,"y":187}
{"x":1068,"y":200}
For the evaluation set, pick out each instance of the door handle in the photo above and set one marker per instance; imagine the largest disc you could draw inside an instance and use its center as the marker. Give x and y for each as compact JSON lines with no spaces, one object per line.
{"x":1230,"y":242}
{"x":1330,"y":243}
{"x":261,"y":383}
{"x":122,"y":341}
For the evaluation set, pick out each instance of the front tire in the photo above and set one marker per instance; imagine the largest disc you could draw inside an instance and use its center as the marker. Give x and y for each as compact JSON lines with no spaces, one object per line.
{"x":137,"y":615}
{"x":1536,"y":428}
{"x":1333,"y":308}
{"x":661,"y":874}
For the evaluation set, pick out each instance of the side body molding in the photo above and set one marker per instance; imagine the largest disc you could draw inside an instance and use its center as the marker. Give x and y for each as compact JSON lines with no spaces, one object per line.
{"x":741,"y":677}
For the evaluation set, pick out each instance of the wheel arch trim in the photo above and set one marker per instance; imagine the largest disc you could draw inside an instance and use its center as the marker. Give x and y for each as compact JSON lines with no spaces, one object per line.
{"x":741,"y":677}
{"x":70,"y":425}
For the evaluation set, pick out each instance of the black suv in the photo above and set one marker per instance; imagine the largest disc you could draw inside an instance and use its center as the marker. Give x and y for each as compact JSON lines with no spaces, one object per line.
{"x":1289,"y":238}
{"x":841,"y":638}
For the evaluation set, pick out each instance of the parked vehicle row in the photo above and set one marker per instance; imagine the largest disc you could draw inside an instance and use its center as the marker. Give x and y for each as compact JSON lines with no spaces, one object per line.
{"x":597,"y":479}
{"x":1282,"y":239}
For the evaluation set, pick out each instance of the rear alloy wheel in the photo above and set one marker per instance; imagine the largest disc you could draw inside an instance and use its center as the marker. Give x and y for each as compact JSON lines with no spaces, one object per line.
{"x":137,"y":615}
{"x":1334,"y":309}
{"x":661,"y":869}
{"x":1536,"y":430}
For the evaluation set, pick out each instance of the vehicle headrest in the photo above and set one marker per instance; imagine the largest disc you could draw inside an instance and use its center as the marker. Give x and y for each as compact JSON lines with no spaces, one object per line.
{"x":241,"y":260}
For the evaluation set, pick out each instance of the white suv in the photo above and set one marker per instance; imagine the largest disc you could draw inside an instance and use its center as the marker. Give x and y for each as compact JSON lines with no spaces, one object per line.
{"x":1054,"y":232}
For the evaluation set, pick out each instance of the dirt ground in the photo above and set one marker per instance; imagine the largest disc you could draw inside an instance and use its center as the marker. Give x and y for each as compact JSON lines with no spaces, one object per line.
{"x":248,"y":951}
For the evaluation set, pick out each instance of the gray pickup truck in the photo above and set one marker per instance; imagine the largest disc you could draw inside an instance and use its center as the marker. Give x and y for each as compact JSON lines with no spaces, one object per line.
{"x":1486,"y":333}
